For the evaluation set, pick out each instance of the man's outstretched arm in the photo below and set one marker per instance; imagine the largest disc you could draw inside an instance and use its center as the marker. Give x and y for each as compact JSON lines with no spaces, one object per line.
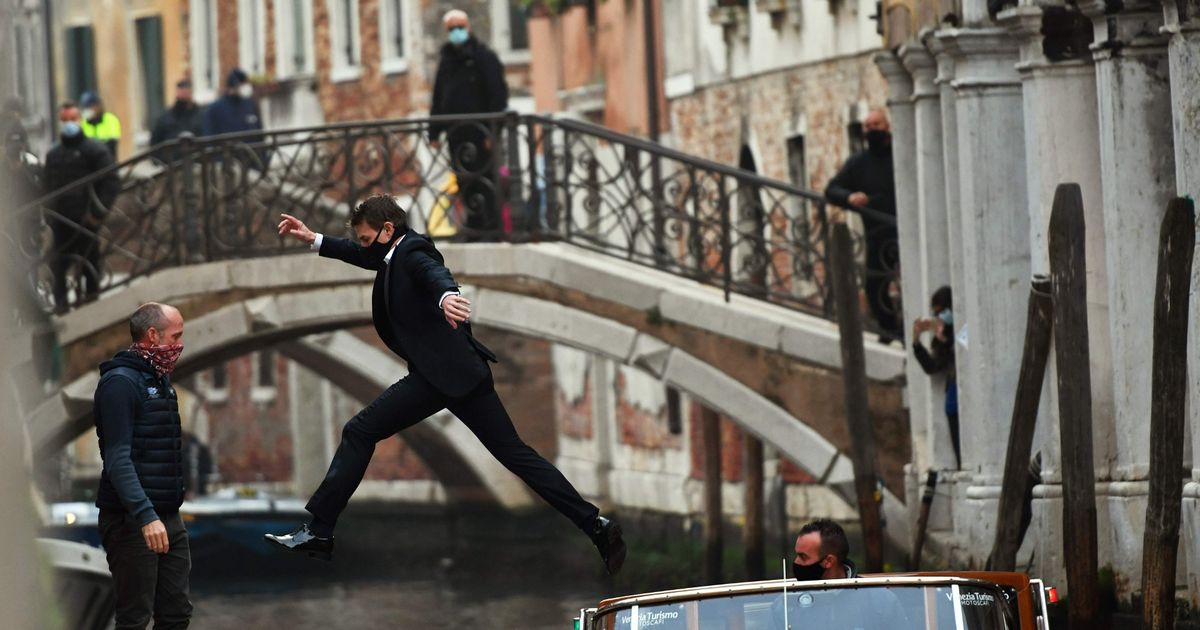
{"x":342,"y":249}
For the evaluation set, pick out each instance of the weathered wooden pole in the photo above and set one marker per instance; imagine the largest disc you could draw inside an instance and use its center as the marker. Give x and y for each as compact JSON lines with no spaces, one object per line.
{"x":1168,"y":387}
{"x":752,"y":531}
{"x":854,"y":379}
{"x":714,"y":546}
{"x":1069,"y":297}
{"x":923,"y":518}
{"x":1038,"y":328}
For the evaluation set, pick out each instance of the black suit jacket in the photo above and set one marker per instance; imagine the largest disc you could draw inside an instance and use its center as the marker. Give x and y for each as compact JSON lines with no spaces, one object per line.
{"x":404,"y":309}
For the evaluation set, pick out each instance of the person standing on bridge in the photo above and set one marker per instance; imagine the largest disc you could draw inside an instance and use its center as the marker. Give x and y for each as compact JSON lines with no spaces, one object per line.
{"x":141,"y":486}
{"x":470,"y":80}
{"x":420,"y":315}
{"x":867,"y":186}
{"x":75,"y":217}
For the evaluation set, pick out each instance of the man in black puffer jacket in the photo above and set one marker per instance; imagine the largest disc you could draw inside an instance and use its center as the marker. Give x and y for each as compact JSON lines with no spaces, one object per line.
{"x":75,"y":217}
{"x":141,"y":487}
{"x":470,"y":80}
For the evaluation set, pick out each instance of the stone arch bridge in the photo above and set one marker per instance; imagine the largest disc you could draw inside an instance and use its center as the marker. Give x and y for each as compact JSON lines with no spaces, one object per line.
{"x":709,"y":278}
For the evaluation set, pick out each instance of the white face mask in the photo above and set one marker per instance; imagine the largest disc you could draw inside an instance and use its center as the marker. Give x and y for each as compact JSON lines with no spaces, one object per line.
{"x":245,"y":90}
{"x":89,"y":113}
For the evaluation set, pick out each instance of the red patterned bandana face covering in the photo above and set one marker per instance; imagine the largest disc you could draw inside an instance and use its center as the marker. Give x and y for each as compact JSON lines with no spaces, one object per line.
{"x":163,"y":358}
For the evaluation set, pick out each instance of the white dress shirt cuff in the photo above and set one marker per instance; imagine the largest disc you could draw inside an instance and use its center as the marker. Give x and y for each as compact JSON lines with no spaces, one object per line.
{"x":446,"y":295}
{"x":316,"y":244}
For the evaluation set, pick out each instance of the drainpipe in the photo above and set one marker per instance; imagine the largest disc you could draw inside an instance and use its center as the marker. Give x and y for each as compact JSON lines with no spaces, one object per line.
{"x":651,"y":70}
{"x":52,"y":115}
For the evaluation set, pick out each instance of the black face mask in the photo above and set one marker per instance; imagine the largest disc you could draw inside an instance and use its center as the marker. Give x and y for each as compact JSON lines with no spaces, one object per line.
{"x":808,"y":572}
{"x":374,"y":253}
{"x":879,"y":142}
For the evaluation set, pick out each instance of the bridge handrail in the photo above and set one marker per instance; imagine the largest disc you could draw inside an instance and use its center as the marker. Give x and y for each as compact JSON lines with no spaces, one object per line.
{"x":692,"y":216}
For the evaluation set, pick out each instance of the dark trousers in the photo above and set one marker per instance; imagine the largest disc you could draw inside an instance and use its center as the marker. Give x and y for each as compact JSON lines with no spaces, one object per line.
{"x":952,"y":420}
{"x":147,"y":585}
{"x":413,"y":399}
{"x":74,"y":245}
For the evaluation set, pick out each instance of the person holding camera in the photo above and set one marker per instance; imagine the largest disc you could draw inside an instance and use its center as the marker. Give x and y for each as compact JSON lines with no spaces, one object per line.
{"x":939,"y":357}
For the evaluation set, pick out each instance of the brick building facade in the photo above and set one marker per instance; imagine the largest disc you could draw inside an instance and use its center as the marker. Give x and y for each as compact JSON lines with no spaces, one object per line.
{"x":324,"y":61}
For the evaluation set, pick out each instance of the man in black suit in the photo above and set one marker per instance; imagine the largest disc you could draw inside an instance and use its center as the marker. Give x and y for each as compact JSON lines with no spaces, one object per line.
{"x":418,"y":312}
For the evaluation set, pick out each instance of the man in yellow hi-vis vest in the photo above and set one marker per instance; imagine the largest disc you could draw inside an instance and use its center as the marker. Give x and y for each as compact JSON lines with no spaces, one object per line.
{"x":100,"y":125}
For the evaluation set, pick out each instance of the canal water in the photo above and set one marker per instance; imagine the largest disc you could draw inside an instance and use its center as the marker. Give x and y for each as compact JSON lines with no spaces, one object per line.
{"x":397,"y":569}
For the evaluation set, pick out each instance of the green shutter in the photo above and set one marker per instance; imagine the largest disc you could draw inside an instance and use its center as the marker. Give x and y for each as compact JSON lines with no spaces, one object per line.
{"x":81,"y":61}
{"x":149,"y":31}
{"x":150,"y":50}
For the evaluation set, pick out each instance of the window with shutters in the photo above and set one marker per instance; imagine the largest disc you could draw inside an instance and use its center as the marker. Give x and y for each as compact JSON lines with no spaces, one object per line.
{"x":150,"y":56}
{"x":252,"y":37}
{"x":510,"y":30}
{"x":265,"y":367}
{"x":204,"y":64}
{"x":293,"y":38}
{"x":393,"y":40}
{"x":218,"y":384}
{"x":81,"y":60}
{"x":345,"y":46}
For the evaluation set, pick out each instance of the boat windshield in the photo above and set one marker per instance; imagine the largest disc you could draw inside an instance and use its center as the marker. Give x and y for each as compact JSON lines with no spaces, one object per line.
{"x":859,"y":607}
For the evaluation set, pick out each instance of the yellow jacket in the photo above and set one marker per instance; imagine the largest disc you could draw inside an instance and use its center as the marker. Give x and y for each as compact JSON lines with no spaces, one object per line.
{"x":108,"y":130}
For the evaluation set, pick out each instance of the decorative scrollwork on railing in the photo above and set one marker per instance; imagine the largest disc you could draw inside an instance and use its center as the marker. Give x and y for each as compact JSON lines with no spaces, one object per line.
{"x":488,"y":177}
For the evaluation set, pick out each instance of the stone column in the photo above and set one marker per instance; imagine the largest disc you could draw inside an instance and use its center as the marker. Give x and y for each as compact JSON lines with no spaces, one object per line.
{"x":942,"y":512}
{"x":1183,"y":26}
{"x":310,"y":399}
{"x":996,"y":269}
{"x":1061,"y":146}
{"x":949,"y":118}
{"x":933,"y":234}
{"x":908,"y":228}
{"x":1138,"y":174}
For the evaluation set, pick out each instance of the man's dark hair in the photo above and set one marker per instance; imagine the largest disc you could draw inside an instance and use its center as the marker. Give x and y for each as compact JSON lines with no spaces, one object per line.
{"x":376,"y":210}
{"x":941,"y":299}
{"x":833,"y":538}
{"x":147,"y":316}
{"x":68,"y":104}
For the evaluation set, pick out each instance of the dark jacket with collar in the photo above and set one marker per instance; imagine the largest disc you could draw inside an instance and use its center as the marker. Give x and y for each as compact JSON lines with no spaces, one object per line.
{"x":137,"y":421}
{"x":70,"y":161}
{"x":231,"y":114}
{"x":405,"y":311}
{"x":183,"y":117}
{"x":871,"y":173}
{"x":470,"y":80}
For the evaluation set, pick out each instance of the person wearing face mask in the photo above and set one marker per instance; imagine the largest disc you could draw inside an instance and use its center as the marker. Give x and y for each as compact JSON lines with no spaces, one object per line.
{"x":142,"y":482}
{"x":236,"y":110}
{"x":421,"y":317}
{"x":469,"y":80}
{"x":98,"y":123}
{"x":75,"y":217}
{"x":184,"y":117}
{"x":865,"y":185}
{"x":939,"y":357}
{"x":822,"y":553}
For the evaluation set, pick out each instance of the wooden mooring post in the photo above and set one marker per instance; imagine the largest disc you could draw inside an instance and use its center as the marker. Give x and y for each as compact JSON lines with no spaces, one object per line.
{"x":854,"y":379}
{"x":714,"y":545}
{"x":753,"y":529}
{"x":1038,"y":329}
{"x":1069,"y":298}
{"x":1160,"y":543}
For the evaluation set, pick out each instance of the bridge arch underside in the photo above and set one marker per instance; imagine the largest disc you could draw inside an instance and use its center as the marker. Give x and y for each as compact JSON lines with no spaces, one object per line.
{"x":237,"y":307}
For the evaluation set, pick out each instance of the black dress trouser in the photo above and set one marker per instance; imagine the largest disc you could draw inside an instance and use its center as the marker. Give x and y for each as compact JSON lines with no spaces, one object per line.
{"x":147,"y":585}
{"x":411,"y":400}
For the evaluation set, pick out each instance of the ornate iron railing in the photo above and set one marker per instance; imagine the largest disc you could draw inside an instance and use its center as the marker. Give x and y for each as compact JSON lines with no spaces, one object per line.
{"x":491,"y":177}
